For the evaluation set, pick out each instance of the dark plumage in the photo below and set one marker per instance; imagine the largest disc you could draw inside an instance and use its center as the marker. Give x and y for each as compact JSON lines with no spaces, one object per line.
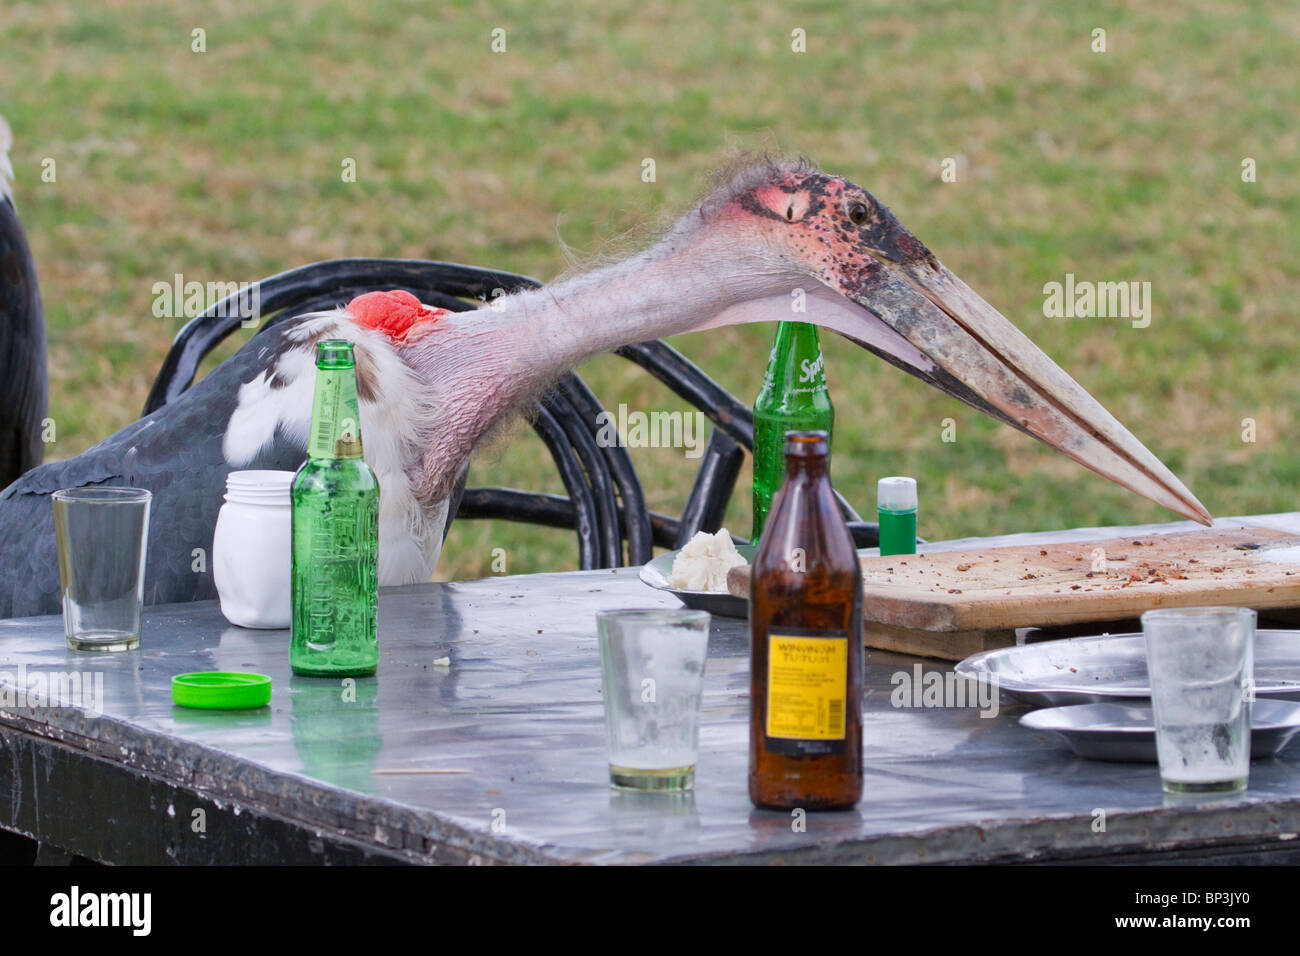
{"x":24,"y":385}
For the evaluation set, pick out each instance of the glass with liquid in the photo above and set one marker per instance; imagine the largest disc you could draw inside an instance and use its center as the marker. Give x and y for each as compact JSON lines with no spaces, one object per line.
{"x":652,"y":679}
{"x":1200,"y":663}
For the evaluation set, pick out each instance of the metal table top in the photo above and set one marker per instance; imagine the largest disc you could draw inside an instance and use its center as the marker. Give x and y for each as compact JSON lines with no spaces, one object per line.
{"x":519,"y":709}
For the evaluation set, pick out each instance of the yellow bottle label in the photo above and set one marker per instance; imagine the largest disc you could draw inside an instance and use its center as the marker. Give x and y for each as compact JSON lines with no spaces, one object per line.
{"x":807,"y":686}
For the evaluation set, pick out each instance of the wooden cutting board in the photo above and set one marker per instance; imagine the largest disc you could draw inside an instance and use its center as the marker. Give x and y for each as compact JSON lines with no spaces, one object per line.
{"x":952,"y":604}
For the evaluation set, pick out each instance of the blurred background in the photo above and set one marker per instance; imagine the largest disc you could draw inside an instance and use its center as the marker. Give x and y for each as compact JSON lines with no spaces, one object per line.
{"x":1119,"y":166}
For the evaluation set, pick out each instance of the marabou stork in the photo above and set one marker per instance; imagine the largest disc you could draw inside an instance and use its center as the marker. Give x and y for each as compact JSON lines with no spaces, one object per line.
{"x":24,"y":387}
{"x":433,"y":383}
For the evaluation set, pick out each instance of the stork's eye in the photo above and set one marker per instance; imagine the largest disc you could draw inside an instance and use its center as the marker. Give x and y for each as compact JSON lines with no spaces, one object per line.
{"x":857,"y":213}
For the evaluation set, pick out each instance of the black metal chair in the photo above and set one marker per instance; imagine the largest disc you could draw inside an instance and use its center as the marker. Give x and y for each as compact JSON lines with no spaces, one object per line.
{"x":604,"y":502}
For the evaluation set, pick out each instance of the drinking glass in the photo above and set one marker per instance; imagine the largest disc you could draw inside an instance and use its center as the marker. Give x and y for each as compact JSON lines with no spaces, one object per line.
{"x":1200,"y":661}
{"x":101,"y":536}
{"x":652,"y":674}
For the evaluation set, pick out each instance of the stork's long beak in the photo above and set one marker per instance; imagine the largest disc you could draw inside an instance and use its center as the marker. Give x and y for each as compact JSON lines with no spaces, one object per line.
{"x":926,"y":321}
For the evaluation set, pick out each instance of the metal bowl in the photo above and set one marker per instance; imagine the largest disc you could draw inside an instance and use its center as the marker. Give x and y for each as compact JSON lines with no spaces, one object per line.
{"x":1126,"y":732}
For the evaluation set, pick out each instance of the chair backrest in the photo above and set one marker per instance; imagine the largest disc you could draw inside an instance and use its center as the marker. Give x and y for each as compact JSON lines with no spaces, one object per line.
{"x":605,"y":504}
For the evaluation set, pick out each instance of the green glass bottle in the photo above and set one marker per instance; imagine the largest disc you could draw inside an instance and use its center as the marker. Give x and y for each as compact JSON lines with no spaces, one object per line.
{"x":335,"y":532}
{"x":793,"y":398}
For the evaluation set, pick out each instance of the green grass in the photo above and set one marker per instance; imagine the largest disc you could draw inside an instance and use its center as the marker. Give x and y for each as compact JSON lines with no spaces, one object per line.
{"x":1118,"y":166}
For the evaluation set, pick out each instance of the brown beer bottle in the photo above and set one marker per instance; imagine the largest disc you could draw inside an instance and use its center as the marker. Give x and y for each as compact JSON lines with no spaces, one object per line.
{"x":805,"y":626}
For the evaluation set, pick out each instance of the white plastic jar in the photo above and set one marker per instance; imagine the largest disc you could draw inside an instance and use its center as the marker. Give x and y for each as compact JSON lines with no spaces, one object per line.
{"x":251,"y":550}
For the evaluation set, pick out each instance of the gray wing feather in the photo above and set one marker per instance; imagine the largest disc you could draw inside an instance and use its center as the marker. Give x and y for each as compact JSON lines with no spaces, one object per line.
{"x":176,"y":453}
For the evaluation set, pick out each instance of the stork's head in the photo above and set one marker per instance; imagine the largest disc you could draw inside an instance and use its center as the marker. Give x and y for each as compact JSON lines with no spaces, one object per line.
{"x":865,"y":276}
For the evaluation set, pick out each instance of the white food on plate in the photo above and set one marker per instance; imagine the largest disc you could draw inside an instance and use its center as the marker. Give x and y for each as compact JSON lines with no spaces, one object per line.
{"x":703,"y":564}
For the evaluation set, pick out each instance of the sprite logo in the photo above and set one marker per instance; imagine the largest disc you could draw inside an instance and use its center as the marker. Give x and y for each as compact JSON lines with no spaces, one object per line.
{"x":809,"y":369}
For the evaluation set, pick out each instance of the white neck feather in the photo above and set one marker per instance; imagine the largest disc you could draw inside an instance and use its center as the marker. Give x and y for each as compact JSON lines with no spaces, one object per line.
{"x":6,"y":167}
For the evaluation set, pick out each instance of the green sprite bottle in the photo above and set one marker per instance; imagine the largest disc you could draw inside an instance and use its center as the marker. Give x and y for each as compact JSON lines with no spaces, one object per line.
{"x":335,"y":532}
{"x":793,"y":398}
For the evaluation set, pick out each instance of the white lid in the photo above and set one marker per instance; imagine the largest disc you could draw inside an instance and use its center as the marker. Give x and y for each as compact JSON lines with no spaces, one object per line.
{"x":896,"y":494}
{"x":259,"y":486}
{"x":260,"y":479}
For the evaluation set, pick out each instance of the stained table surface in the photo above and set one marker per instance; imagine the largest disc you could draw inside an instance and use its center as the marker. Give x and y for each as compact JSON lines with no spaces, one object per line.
{"x":518,"y":712}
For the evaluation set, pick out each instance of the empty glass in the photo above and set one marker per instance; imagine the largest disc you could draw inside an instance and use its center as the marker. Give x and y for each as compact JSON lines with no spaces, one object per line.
{"x":652,"y":670}
{"x":1200,"y":661}
{"x":101,"y":534}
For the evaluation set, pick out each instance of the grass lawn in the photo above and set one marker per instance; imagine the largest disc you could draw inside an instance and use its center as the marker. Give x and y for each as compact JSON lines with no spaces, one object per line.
{"x":1117,"y":166}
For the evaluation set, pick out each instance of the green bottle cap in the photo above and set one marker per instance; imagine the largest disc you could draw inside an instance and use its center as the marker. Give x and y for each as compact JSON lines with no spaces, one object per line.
{"x":221,"y":690}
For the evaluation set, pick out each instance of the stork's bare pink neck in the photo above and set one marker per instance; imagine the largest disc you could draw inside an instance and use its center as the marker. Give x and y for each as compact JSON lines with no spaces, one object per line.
{"x":481,"y":365}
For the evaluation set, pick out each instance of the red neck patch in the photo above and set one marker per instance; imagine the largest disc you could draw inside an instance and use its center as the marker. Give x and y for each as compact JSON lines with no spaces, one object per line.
{"x":395,"y":313}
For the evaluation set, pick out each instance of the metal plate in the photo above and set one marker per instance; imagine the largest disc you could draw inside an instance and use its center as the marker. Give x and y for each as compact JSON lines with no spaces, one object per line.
{"x":723,"y":603}
{"x":1089,"y":670}
{"x":1125,"y":731}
